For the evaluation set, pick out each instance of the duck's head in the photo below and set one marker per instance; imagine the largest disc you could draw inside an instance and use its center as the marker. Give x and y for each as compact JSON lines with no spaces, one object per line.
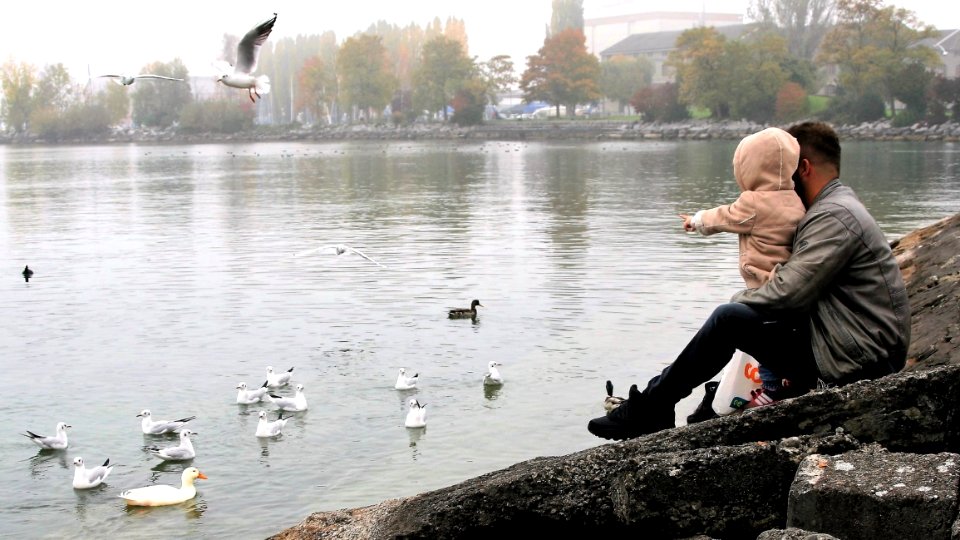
{"x":144,"y":414}
{"x":474,"y":304}
{"x":192,"y":473}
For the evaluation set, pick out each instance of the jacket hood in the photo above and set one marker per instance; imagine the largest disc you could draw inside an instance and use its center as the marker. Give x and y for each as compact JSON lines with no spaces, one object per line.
{"x":766,"y":161}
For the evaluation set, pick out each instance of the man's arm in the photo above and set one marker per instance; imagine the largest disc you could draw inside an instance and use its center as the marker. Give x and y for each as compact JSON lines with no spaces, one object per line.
{"x":821,"y":250}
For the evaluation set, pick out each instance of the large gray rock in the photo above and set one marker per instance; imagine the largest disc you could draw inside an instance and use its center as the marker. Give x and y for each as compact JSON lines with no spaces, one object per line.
{"x":872,"y":494}
{"x":728,"y":477}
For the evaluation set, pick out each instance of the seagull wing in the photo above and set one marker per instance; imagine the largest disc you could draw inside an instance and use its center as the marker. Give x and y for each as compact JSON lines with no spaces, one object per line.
{"x":360,"y":253}
{"x":314,"y":250}
{"x":249,"y":47}
{"x":151,"y":76}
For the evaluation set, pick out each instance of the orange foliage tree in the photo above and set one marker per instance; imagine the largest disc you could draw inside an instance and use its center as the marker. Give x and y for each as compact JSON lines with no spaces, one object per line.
{"x":562,"y":72}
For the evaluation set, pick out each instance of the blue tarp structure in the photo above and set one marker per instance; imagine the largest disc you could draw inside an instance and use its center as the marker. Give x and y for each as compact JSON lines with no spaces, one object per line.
{"x":524,"y":108}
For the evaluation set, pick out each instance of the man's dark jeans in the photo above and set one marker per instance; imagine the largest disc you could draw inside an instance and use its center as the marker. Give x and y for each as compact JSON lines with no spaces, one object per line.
{"x":780,"y":344}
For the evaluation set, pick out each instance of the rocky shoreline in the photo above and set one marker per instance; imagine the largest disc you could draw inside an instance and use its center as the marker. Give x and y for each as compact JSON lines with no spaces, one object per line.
{"x":504,"y":130}
{"x":874,"y":459}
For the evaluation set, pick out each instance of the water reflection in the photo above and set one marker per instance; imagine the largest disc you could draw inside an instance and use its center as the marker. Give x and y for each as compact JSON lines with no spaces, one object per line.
{"x":492,"y":391}
{"x":45,"y":460}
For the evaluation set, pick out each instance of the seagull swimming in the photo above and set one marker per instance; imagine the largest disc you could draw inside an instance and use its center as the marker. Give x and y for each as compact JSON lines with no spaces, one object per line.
{"x":492,"y":377}
{"x":57,"y":442}
{"x":249,"y":397}
{"x":416,"y":415}
{"x":84,"y":478}
{"x":296,"y":403}
{"x":265,"y":428}
{"x":127,"y":80}
{"x":339,"y":249}
{"x":157,"y":427}
{"x":248,"y":51}
{"x":277,"y":380}
{"x":405,"y":382}
{"x":182,"y":452}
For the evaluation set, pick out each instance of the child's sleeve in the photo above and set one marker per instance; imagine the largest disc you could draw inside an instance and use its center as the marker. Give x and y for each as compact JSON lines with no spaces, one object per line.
{"x":736,"y":217}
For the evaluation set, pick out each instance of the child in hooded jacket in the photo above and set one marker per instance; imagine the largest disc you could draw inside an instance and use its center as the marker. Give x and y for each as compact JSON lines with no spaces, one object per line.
{"x":764,"y":217}
{"x":766,"y":213}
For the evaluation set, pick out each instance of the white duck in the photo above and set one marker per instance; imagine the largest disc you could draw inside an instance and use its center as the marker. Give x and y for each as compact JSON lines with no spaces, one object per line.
{"x":249,"y":397}
{"x":492,"y":377}
{"x":276,"y":380}
{"x":158,"y":427}
{"x":248,"y":51}
{"x":84,"y":478}
{"x":405,"y":382}
{"x":162,"y":494}
{"x":265,"y":428}
{"x":296,"y":403}
{"x":416,"y":415}
{"x":57,"y":442}
{"x":182,"y":452}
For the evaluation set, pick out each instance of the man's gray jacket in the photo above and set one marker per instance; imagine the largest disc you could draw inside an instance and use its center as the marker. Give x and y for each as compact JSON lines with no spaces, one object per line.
{"x":842,"y":273}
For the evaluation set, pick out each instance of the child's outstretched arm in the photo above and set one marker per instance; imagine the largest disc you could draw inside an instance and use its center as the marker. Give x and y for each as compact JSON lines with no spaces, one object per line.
{"x":737,"y":217}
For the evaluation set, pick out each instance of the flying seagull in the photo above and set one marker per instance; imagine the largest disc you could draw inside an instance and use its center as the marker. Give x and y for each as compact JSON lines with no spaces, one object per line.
{"x":248,"y":50}
{"x":127,"y":80}
{"x":338,"y":249}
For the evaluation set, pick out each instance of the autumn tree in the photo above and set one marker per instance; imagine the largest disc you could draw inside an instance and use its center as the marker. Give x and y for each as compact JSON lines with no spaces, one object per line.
{"x":116,"y":100}
{"x":156,"y":102}
{"x":622,"y":76}
{"x":444,"y":70}
{"x":562,"y":72}
{"x":803,"y":23}
{"x":18,"y":80}
{"x":566,"y":14}
{"x":55,"y":89}
{"x":732,"y":78}
{"x":366,"y":82}
{"x":498,"y":76}
{"x":316,"y":88}
{"x":659,"y":103}
{"x":871,"y":45}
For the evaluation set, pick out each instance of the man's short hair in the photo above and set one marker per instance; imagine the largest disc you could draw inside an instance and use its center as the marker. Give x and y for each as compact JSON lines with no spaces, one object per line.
{"x":819,"y":143}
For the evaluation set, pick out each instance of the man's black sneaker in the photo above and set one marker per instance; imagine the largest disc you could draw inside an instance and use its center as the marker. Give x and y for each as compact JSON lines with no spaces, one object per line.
{"x":634,"y":417}
{"x":705,"y":409}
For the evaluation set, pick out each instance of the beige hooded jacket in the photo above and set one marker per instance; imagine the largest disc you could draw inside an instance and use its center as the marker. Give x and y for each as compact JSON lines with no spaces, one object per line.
{"x":768,"y":209}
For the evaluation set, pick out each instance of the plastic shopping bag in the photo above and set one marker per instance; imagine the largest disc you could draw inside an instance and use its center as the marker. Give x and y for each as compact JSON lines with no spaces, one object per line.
{"x":739,"y":377}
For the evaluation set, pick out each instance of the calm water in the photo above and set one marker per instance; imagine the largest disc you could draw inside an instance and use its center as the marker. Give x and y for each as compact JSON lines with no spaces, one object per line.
{"x":165,"y":276}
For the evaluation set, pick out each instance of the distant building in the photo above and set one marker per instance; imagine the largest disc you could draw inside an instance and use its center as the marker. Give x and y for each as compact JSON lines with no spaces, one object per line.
{"x":947,"y":44}
{"x":604,"y":32}
{"x":655,"y":46}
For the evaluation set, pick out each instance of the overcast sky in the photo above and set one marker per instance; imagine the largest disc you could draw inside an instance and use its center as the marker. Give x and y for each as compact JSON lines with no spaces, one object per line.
{"x":124,"y":35}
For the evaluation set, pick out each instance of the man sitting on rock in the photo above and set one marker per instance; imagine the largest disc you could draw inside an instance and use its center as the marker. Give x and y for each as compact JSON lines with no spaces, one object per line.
{"x":836,"y":312}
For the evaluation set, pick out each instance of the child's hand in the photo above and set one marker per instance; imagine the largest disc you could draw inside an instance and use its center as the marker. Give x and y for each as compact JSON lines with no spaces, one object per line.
{"x":687,"y":223}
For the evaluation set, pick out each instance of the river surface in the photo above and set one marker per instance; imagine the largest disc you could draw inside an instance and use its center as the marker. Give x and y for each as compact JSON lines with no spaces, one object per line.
{"x":165,"y":275}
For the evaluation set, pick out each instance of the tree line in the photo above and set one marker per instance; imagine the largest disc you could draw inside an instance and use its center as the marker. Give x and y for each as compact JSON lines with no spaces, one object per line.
{"x":404,"y":74}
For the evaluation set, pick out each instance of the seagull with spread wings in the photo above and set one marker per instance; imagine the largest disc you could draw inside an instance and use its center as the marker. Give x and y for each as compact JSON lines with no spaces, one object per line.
{"x":248,"y":50}
{"x":127,"y":80}
{"x":338,"y":249}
